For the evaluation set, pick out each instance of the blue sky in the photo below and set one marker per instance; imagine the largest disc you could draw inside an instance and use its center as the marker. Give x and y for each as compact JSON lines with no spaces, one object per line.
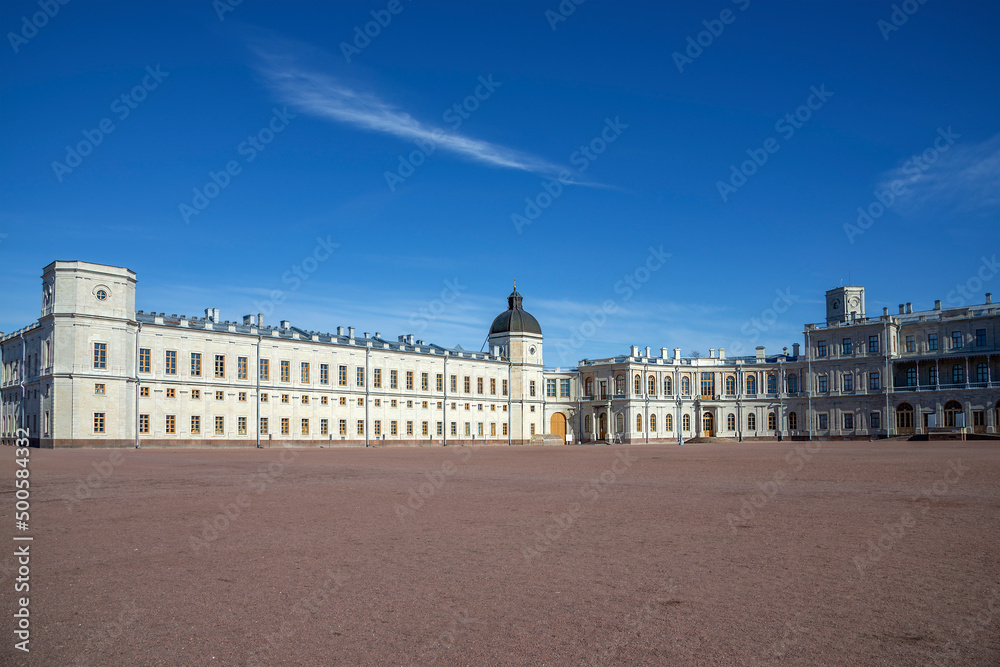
{"x":651,"y":173}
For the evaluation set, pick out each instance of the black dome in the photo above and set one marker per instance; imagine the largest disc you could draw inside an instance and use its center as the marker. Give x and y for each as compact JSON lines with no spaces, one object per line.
{"x":515,"y":319}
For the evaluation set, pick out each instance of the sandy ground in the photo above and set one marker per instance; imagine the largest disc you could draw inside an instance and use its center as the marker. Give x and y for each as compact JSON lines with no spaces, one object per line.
{"x":842,"y":553}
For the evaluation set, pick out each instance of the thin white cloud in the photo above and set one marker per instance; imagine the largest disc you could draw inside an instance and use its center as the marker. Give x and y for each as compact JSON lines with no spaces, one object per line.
{"x":323,"y":96}
{"x":965,"y":177}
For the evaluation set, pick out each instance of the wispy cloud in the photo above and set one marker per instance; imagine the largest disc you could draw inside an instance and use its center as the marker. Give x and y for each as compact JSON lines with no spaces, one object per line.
{"x":965,"y":178}
{"x":323,"y":96}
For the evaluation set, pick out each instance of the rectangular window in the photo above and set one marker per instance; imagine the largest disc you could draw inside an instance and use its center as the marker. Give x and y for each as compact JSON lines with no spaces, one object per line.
{"x":170,"y":424}
{"x":241,"y":425}
{"x":479,"y":428}
{"x":468,"y":428}
{"x":505,"y":428}
{"x":453,"y":383}
{"x":99,"y":389}
{"x":195,"y":394}
{"x":393,"y":428}
{"x":424,"y":428}
{"x":143,"y":423}
{"x":305,"y":400}
{"x":439,"y":382}
{"x":219,"y":395}
{"x":409,"y":380}
{"x":220,"y":365}
{"x":504,"y":387}
{"x":823,"y":383}
{"x":393,"y":379}
{"x":284,"y":398}
{"x":241,"y":368}
{"x":195,"y":424}
{"x":479,"y":385}
{"x":848,"y":382}
{"x":100,"y":356}
{"x":285,"y":426}
{"x":145,"y":361}
{"x":933,"y":376}
{"x":324,"y":427}
{"x":263,"y":425}
{"x":361,"y":402}
{"x":304,"y":372}
{"x":932,"y":341}
{"x":342,"y":425}
{"x":171,"y":393}
{"x":342,"y":376}
{"x":564,"y":388}
{"x":823,"y":422}
{"x":531,"y":388}
{"x":361,"y":427}
{"x":324,"y":400}
{"x":286,"y":371}
{"x":265,"y":370}
{"x":144,"y":392}
{"x":263,"y":397}
{"x":220,"y":426}
{"x":343,"y":400}
{"x":873,"y":381}
{"x":848,"y":422}
{"x":956,"y":340}
{"x":243,"y":396}
{"x":493,"y":386}
{"x":409,"y":428}
{"x":324,"y":373}
{"x":196,"y":364}
{"x":532,"y":429}
{"x":305,"y":427}
{"x":98,"y":422}
{"x":467,"y":384}
{"x":425,"y":381}
{"x":454,"y":428}
{"x":493,"y":429}
{"x":980,"y":337}
{"x":821,"y":348}
{"x":377,"y":378}
{"x":360,"y":376}
{"x":873,"y":345}
{"x":440,"y":429}
{"x":875,"y":420}
{"x":845,"y":346}
{"x":550,"y":388}
{"x":911,"y":344}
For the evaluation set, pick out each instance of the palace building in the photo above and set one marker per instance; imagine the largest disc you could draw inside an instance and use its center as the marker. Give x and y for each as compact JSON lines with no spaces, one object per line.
{"x":93,"y":371}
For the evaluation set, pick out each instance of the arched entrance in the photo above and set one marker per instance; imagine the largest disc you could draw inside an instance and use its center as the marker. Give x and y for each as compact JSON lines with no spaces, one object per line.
{"x":708,"y":424}
{"x":557,"y":425}
{"x":904,"y":419}
{"x":952,"y":410}
{"x":602,"y":426}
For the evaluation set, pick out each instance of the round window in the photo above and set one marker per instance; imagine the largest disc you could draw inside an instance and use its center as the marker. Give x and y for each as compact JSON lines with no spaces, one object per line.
{"x":531,"y":350}
{"x":101,"y":294}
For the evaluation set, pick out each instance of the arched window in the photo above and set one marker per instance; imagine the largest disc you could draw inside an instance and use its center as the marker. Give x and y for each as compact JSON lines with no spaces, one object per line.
{"x":652,"y":385}
{"x":772,"y":384}
{"x":731,"y":422}
{"x":751,"y":422}
{"x":793,"y":421}
{"x":638,"y":423}
{"x":586,"y":424}
{"x":652,"y":423}
{"x":951,"y":410}
{"x":638,"y":384}
{"x":668,"y":421}
{"x":619,"y":385}
{"x":772,"y":421}
{"x":686,"y":422}
{"x":957,"y":374}
{"x":793,"y":384}
{"x":619,"y":423}
{"x":588,"y":387}
{"x":911,"y":377}
{"x":751,"y":384}
{"x":982,"y":373}
{"x":730,"y":386}
{"x":685,"y":386}
{"x":668,"y":386}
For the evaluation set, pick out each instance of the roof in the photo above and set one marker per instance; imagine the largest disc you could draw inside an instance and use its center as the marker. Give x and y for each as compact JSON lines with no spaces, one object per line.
{"x":515,"y":319}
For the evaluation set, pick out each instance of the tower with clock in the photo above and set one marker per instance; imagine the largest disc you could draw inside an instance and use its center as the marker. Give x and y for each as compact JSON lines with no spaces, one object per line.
{"x":845,"y":304}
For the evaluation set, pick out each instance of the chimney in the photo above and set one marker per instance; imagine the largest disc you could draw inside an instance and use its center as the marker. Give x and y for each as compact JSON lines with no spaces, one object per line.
{"x":989,"y":298}
{"x":937,"y":304}
{"x":409,"y":339}
{"x":760,"y":351}
{"x":647,"y":352}
{"x":677,"y":353}
{"x":902,"y":309}
{"x":722,"y":353}
{"x":795,"y":349}
{"x":285,"y":324}
{"x":663,"y":353}
{"x":350,"y":332}
{"x":366,"y":334}
{"x":260,"y":319}
{"x":340,"y":331}
{"x":635,"y":350}
{"x":885,"y":311}
{"x":711,"y":353}
{"x":378,"y":335}
{"x":208,"y":314}
{"x":909,"y":307}
{"x":215,"y":314}
{"x":248,"y":320}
